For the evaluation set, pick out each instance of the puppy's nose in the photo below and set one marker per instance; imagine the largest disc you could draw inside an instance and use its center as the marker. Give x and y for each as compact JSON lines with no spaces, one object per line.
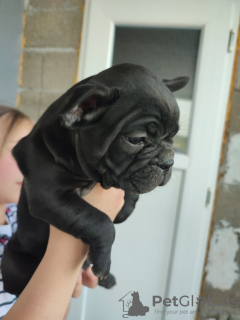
{"x":166,"y":165}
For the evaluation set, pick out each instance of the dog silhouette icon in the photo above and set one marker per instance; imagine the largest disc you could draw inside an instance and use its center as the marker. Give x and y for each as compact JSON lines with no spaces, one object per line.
{"x":137,"y":308}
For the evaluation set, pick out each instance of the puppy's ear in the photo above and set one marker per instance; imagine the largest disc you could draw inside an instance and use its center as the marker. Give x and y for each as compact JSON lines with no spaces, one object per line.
{"x":89,"y":103}
{"x":176,"y":84}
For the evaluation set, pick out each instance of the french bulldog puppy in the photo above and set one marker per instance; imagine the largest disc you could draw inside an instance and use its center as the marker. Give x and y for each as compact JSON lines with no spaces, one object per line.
{"x":115,"y":128}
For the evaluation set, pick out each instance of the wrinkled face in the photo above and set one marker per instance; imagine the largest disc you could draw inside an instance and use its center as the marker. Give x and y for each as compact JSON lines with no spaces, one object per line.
{"x":141,"y":156}
{"x":124,"y":120}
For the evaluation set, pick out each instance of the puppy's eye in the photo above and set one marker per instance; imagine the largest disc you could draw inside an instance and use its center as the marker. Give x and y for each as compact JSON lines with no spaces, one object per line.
{"x":136,"y":140}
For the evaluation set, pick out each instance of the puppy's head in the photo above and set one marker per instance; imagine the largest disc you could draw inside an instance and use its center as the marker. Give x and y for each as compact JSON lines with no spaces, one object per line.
{"x":124,"y":120}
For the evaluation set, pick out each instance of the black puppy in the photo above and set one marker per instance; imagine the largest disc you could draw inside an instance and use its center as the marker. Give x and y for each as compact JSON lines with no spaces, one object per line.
{"x":115,"y":128}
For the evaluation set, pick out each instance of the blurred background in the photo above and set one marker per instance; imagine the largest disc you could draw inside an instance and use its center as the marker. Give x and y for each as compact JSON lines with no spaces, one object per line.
{"x":183,"y":239}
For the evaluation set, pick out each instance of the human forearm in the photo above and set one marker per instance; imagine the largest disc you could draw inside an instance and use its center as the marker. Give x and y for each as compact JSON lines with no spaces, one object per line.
{"x":48,"y":292}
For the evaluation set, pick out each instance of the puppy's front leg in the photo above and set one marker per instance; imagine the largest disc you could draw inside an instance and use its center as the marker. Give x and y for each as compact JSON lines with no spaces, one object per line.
{"x":130,"y":201}
{"x":70,"y":213}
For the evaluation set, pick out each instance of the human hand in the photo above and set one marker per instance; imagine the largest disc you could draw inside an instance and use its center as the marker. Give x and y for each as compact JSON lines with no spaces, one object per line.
{"x":86,"y":278}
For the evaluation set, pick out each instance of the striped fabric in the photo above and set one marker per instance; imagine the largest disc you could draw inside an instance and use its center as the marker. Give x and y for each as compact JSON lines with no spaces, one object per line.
{"x":6,"y":231}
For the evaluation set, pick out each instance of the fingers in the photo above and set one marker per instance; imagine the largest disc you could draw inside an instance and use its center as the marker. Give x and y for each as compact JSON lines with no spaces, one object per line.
{"x":86,"y":278}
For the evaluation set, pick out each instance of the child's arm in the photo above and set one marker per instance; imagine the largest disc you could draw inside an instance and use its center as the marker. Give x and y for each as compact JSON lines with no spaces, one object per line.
{"x":48,"y":293}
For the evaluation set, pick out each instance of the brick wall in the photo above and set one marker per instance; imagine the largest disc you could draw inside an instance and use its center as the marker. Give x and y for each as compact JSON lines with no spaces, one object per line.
{"x":50,"y":52}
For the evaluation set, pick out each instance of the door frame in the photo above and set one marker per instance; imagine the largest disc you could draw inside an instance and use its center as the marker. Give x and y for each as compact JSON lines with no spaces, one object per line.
{"x":212,"y":84}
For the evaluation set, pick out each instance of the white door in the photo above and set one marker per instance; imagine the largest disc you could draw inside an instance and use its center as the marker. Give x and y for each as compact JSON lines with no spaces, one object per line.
{"x":159,"y":251}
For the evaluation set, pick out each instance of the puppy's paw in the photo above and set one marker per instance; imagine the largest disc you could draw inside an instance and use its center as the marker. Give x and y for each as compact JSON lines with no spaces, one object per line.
{"x":100,"y":250}
{"x":101,"y":270}
{"x":130,"y":201}
{"x":107,"y":283}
